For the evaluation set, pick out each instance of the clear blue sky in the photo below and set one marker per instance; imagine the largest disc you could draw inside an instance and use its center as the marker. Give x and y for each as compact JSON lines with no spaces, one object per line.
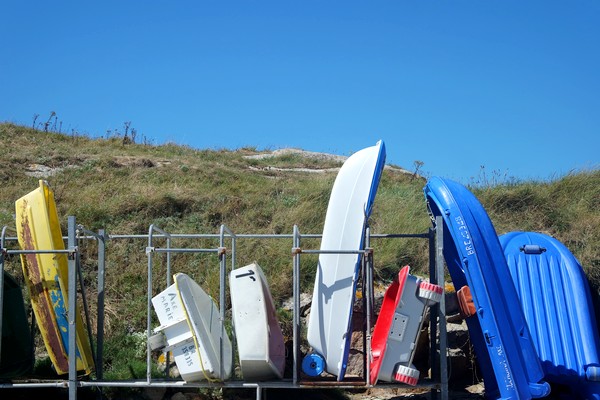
{"x":511,"y":85}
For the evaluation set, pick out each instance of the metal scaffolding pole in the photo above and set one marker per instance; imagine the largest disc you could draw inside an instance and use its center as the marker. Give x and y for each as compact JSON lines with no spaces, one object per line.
{"x":73,"y":259}
{"x":2,"y":251}
{"x":222,"y":282}
{"x":100,"y":321}
{"x":439,"y":262}
{"x":440,"y":378}
{"x":296,"y":309}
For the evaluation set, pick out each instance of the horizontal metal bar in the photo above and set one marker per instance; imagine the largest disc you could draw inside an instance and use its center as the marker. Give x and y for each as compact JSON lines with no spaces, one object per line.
{"x":214,"y":236}
{"x":240,"y":235}
{"x":62,"y":384}
{"x":333,"y":251}
{"x":399,"y":235}
{"x":178,"y":250}
{"x":282,"y":384}
{"x":39,"y":251}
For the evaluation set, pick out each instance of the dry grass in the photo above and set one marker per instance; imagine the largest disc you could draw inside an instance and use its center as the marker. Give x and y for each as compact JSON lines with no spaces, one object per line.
{"x":125,"y":188}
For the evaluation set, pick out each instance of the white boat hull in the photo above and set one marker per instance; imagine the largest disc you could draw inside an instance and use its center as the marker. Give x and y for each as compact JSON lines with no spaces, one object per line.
{"x":333,"y":295}
{"x":190,"y":322}
{"x":259,"y":338}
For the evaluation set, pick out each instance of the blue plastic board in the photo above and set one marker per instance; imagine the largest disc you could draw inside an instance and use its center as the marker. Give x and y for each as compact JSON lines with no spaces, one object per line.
{"x":556,"y":300}
{"x":498,"y":331}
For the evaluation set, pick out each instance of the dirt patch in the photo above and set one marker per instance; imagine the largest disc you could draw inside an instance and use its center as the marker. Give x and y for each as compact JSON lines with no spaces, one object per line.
{"x":303,"y":153}
{"x":44,"y":171}
{"x":310,"y":155}
{"x":131,"y":161}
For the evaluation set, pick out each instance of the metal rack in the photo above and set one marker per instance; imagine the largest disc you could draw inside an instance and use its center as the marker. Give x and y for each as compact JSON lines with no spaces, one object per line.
{"x":438,"y":384}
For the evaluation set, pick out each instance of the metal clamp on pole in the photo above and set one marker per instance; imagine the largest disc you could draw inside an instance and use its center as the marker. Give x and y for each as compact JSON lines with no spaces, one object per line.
{"x":73,"y":252}
{"x":222,"y":251}
{"x":296,"y":251}
{"x":82,"y":231}
{"x":150,"y":249}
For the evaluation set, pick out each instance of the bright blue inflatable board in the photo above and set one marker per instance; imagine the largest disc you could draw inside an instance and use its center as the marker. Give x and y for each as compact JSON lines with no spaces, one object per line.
{"x":556,"y":300}
{"x":498,"y":331}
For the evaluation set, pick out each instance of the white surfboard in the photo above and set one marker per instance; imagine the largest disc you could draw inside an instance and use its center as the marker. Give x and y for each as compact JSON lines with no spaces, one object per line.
{"x":333,"y":295}
{"x":190,"y":323}
{"x":259,"y":338}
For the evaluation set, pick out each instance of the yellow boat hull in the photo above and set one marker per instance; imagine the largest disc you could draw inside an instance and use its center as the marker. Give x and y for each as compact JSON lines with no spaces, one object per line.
{"x":38,"y":228}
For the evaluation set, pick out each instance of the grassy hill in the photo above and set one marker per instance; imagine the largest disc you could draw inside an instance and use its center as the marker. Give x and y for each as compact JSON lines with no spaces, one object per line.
{"x":124,"y":187}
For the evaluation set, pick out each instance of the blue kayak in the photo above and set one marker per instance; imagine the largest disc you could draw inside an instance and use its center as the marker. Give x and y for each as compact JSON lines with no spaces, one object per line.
{"x":497,"y":327}
{"x":555,"y":297}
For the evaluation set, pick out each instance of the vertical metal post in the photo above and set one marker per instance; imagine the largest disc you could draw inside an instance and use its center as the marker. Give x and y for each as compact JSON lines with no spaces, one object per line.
{"x":433,"y":315}
{"x":149,"y":306}
{"x":367,"y":293}
{"x":234,"y":349}
{"x":223,"y":266}
{"x":233,"y":239}
{"x":169,"y":274}
{"x":296,"y":297}
{"x":258,"y":392}
{"x":222,"y":283}
{"x":72,"y":298}
{"x":439,"y":262}
{"x":168,"y":264}
{"x":1,"y":286}
{"x":100,"y":321}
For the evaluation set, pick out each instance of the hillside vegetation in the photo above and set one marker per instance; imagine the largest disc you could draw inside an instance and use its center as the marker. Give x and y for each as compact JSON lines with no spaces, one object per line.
{"x":124,"y":187}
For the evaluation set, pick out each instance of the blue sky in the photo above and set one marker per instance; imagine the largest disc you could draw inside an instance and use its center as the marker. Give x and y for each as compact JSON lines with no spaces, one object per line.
{"x":510,"y":85}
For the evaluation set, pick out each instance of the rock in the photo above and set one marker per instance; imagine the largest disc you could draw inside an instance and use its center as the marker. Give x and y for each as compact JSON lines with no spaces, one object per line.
{"x":458,"y":333}
{"x":356,"y":356}
{"x":451,"y":301}
{"x":454,"y":318}
{"x":460,"y":356}
{"x":191,"y":395}
{"x":476,"y":389}
{"x":179,"y":396}
{"x":154,"y":393}
{"x":421,"y":358}
{"x":305,"y":301}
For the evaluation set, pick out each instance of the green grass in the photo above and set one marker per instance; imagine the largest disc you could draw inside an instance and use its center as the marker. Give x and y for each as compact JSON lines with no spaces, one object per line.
{"x":125,"y":188}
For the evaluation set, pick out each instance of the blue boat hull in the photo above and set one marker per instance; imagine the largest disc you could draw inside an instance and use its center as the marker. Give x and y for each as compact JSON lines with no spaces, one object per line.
{"x":557,"y":303}
{"x":498,"y":331}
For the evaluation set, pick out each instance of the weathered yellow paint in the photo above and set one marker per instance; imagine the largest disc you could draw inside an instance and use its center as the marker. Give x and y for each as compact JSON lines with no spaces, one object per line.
{"x":38,"y":228}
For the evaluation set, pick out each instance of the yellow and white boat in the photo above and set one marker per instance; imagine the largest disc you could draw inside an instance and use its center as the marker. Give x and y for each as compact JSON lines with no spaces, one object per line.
{"x":46,"y":275}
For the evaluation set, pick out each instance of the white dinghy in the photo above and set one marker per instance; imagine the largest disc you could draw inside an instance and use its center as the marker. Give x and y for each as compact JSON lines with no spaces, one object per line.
{"x":190,"y":324}
{"x":259,"y":338}
{"x":349,"y":207}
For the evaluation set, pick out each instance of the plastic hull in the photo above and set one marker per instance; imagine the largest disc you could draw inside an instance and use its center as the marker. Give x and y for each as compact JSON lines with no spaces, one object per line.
{"x":397,"y":328}
{"x":259,"y":338}
{"x":498,"y":330}
{"x":38,"y":228}
{"x":189,"y":320}
{"x":556,"y":299}
{"x":349,"y":207}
